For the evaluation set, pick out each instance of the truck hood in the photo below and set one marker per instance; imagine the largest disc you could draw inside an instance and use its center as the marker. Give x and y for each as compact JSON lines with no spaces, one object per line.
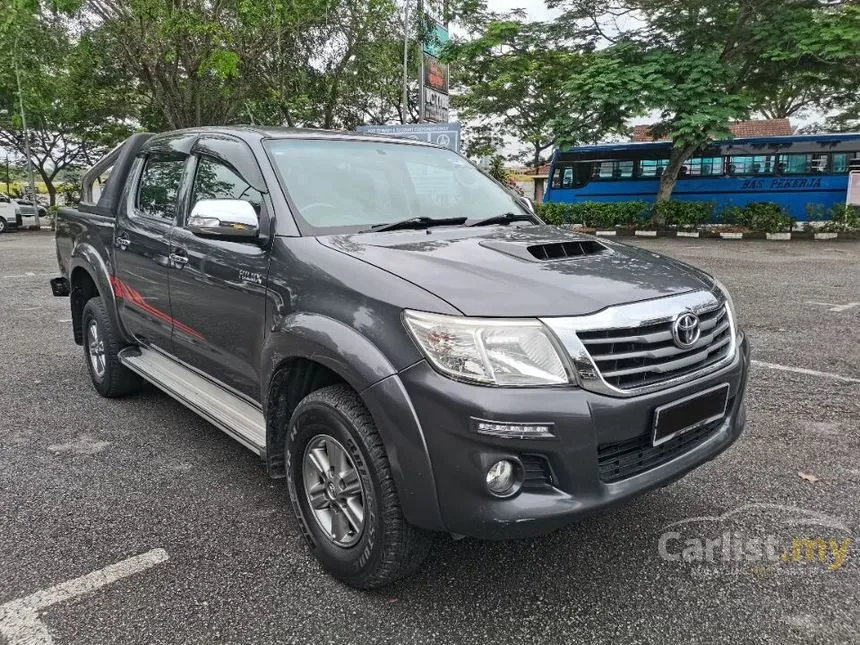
{"x":527,"y":271}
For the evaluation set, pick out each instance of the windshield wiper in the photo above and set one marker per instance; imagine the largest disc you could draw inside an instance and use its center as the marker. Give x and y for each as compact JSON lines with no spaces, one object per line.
{"x":416,"y":222}
{"x":504,"y":218}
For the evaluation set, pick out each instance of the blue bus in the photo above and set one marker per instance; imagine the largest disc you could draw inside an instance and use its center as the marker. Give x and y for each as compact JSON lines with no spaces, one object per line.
{"x":792,"y":171}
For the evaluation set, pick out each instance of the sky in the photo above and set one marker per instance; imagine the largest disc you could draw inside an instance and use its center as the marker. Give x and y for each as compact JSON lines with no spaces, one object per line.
{"x":536,"y":9}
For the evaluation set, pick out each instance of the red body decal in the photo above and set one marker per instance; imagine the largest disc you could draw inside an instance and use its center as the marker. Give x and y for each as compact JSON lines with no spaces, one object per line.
{"x":124,"y":292}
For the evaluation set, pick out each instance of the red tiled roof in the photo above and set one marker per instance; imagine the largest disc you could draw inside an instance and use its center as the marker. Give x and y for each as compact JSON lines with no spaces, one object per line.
{"x":757,"y":128}
{"x":540,"y":171}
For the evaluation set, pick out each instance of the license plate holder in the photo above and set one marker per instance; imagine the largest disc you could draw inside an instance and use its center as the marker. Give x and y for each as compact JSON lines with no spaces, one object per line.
{"x":694,"y":411}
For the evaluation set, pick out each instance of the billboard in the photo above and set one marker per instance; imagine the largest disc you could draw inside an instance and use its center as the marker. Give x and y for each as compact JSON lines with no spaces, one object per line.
{"x":435,"y":106}
{"x":436,"y":39}
{"x":442,"y":134}
{"x":435,"y":74}
{"x":433,"y":93}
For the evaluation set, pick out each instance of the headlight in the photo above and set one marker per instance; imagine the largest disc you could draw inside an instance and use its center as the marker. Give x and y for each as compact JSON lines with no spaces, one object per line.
{"x":731,"y":303}
{"x":498,"y":352}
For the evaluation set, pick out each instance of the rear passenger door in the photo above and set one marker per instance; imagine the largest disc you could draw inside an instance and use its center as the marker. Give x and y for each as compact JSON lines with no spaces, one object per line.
{"x":218,"y":287}
{"x":142,"y":248}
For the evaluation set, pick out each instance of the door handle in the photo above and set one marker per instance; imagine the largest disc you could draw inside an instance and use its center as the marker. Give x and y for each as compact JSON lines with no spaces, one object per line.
{"x":122,"y":242}
{"x":178,"y":259}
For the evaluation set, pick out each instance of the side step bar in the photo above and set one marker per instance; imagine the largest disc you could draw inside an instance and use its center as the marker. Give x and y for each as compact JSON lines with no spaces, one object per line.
{"x":235,"y":416}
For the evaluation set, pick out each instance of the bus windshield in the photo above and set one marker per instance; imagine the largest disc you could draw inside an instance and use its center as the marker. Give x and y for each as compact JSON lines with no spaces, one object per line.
{"x":341,"y":185}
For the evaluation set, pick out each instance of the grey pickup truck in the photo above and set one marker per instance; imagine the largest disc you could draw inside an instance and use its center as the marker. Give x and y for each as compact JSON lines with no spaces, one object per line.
{"x":396,"y":335}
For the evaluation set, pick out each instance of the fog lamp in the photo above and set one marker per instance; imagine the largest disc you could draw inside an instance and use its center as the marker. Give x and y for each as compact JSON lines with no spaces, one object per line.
{"x":502,"y":478}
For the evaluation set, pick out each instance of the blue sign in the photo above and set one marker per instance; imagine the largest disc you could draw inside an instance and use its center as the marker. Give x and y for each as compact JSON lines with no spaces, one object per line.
{"x":442,"y":134}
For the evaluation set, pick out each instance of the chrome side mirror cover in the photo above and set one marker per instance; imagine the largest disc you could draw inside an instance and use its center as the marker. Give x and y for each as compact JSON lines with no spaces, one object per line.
{"x":233,"y":219}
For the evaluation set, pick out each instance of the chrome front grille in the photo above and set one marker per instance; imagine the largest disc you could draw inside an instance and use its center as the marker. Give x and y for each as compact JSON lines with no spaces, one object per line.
{"x":630,"y":349}
{"x":633,"y":357}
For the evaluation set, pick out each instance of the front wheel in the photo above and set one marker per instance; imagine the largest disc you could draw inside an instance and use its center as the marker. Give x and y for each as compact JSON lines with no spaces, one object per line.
{"x":343,"y":493}
{"x":3,"y":225}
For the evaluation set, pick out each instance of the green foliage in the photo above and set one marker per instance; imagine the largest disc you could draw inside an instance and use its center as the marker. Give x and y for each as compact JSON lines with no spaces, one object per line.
{"x":765,"y":217}
{"x":511,"y":76}
{"x":497,"y":169}
{"x":683,"y":214}
{"x":599,"y":215}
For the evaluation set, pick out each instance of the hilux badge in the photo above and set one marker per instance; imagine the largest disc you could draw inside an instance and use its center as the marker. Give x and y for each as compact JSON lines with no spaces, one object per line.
{"x":686,"y":330}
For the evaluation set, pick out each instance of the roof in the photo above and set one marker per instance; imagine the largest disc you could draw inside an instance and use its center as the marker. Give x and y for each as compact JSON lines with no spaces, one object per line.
{"x":271,"y":132}
{"x":755,"y":128}
{"x":665,"y":145}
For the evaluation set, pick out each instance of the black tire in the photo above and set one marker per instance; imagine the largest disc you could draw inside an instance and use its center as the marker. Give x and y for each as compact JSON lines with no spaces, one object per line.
{"x":388,"y":547}
{"x":116,"y":379}
{"x":3,"y":225}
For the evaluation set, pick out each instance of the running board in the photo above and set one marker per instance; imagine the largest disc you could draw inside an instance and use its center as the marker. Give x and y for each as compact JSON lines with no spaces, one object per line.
{"x":221,"y":408}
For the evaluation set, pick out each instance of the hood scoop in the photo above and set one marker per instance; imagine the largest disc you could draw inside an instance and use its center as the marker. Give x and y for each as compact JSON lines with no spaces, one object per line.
{"x":546,"y":251}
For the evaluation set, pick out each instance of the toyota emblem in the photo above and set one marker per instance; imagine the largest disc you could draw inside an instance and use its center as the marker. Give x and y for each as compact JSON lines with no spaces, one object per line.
{"x":686,"y":330}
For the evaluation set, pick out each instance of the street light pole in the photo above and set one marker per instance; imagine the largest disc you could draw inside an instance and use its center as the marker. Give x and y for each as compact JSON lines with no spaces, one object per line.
{"x":7,"y":174}
{"x":405,"y":100}
{"x":26,"y":138}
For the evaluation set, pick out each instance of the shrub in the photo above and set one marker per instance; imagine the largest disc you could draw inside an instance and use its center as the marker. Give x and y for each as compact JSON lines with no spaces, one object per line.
{"x":767,"y":217}
{"x":684,"y":214}
{"x":844,"y":217}
{"x":600,"y":215}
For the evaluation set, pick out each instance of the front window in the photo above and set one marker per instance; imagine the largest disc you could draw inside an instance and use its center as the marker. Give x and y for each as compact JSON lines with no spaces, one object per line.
{"x":353,"y":185}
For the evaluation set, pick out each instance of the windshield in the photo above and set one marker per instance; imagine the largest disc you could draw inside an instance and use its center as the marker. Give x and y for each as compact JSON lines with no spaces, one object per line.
{"x":353,"y":185}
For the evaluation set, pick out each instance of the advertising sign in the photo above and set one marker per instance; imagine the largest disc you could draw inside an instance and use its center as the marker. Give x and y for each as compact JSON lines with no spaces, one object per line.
{"x":435,"y":74}
{"x":436,"y":39}
{"x":435,"y":106}
{"x":853,"y":197}
{"x":442,"y":134}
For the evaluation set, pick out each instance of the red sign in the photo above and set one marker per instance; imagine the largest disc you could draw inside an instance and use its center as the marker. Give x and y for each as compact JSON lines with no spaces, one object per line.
{"x":435,"y":74}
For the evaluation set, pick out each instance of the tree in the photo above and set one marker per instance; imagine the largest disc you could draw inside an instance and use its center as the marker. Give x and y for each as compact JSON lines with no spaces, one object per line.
{"x":511,"y":82}
{"x":75,"y":105}
{"x":700,"y":64}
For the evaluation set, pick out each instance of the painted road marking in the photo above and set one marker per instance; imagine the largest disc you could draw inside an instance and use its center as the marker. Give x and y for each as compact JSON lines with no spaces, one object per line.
{"x":834,"y":307}
{"x":801,"y":370}
{"x":29,"y":274}
{"x":19,"y":619}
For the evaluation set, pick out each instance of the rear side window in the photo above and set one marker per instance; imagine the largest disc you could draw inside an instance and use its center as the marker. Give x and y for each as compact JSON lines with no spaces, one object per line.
{"x":159,"y":185}
{"x":215,"y":180}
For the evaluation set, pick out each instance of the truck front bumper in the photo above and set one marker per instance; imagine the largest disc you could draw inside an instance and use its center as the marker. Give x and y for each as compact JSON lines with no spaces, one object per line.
{"x":601,"y":453}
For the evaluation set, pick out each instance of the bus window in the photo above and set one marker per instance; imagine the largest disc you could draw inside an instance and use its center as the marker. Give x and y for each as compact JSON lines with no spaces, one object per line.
{"x":841,"y":161}
{"x":556,"y":177}
{"x":652,"y":167}
{"x":801,"y":164}
{"x":613,"y":170}
{"x":704,"y":166}
{"x":751,"y":165}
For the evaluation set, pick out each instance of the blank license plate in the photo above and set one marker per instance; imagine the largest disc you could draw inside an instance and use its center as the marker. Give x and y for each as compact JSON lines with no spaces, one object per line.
{"x":691,"y":412}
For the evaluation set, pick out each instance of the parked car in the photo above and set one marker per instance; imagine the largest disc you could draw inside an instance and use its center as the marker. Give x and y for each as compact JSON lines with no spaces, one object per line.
{"x":396,"y":335}
{"x":27,"y":210}
{"x":10,"y":217}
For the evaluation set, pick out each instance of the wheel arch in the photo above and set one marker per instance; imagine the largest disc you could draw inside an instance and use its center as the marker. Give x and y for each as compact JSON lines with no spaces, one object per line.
{"x":309,"y":352}
{"x":89,"y":277}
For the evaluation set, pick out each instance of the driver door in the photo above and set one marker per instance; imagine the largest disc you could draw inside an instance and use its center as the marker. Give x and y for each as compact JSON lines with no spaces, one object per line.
{"x":218,"y":287}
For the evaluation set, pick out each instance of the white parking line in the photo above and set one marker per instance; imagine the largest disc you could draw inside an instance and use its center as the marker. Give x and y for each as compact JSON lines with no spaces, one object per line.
{"x":29,"y":274}
{"x":834,"y":307}
{"x":802,"y":370}
{"x":19,"y":619}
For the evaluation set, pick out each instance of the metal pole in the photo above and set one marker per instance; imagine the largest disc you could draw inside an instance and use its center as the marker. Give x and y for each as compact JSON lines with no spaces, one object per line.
{"x":421,"y":58}
{"x":405,"y":102}
{"x":7,"y":174}
{"x":26,"y":138}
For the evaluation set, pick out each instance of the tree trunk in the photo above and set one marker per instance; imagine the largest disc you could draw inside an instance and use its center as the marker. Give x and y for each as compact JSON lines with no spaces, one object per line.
{"x":669,"y":178}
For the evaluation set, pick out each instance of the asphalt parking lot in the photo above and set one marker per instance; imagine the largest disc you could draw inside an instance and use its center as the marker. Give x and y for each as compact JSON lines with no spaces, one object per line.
{"x":86,"y":483}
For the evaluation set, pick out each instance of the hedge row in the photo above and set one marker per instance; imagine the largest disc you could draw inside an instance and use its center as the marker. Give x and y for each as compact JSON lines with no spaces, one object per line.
{"x":757,"y":216}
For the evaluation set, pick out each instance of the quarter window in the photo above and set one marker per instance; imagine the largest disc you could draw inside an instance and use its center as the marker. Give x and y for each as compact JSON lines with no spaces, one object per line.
{"x":215,"y":180}
{"x":159,"y":185}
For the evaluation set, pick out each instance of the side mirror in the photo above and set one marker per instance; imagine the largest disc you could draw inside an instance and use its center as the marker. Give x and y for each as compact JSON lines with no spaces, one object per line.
{"x":528,"y":203}
{"x":232,"y":219}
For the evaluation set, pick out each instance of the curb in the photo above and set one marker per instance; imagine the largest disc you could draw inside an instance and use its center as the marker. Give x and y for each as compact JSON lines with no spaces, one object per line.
{"x":724,"y":235}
